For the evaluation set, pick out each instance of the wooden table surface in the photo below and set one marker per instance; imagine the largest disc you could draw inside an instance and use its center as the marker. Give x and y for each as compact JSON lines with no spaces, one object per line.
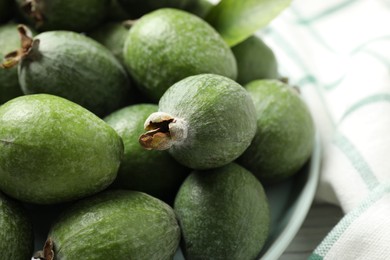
{"x":319,"y":221}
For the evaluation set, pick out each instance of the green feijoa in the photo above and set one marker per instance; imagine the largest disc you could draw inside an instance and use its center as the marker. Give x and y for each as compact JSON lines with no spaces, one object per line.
{"x":285,"y":131}
{"x":223,"y":214}
{"x":72,"y":15}
{"x":168,"y":45}
{"x":6,"y":10}
{"x":137,"y":8}
{"x":255,"y":60}
{"x":116,"y":225}
{"x":53,"y":150}
{"x":153,"y":172}
{"x":72,"y":66}
{"x":112,"y":35}
{"x":16,"y":236}
{"x":206,"y":121}
{"x":9,"y":84}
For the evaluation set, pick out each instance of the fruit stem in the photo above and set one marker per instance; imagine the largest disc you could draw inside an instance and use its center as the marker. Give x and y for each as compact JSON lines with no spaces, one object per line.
{"x":27,"y":45}
{"x":163,"y":131}
{"x":47,"y":253}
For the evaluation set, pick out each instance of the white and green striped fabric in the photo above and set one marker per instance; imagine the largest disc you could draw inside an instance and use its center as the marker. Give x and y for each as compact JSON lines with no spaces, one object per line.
{"x":338,"y":53}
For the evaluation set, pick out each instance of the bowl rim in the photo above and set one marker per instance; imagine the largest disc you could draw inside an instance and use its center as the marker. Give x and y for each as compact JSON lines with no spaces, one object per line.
{"x":300,"y":208}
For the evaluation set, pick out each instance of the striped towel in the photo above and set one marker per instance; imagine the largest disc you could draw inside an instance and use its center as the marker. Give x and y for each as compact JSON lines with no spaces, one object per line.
{"x":338,"y":53}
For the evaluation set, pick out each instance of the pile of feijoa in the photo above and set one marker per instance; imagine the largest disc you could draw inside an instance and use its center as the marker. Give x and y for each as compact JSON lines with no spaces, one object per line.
{"x":132,"y":128}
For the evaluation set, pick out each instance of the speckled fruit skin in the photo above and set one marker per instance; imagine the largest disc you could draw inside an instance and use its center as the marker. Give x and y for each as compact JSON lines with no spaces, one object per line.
{"x":255,"y":60}
{"x":116,"y":225}
{"x":72,"y":15}
{"x":137,"y":8}
{"x":78,"y":68}
{"x":16,"y":236}
{"x":112,"y":35}
{"x":223,"y":214}
{"x":52,"y":150}
{"x":220,"y":116}
{"x":9,"y":84}
{"x":285,"y":132}
{"x":153,"y":172}
{"x":168,"y":45}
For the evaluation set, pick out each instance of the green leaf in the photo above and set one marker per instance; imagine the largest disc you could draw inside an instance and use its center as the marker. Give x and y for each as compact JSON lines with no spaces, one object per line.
{"x":236,"y":20}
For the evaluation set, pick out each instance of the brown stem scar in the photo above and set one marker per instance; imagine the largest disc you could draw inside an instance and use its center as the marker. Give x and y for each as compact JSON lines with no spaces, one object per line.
{"x":27,"y":45}
{"x":26,"y":40}
{"x":11,"y":59}
{"x":158,"y":137}
{"x":48,"y":252}
{"x":163,"y":131}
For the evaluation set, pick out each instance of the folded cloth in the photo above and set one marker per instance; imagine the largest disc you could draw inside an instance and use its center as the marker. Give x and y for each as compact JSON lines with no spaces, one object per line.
{"x":338,"y":53}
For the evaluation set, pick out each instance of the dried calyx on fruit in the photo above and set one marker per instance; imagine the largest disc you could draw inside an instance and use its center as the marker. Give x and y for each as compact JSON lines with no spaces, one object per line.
{"x":138,"y":165}
{"x":27,"y":45}
{"x":48,"y":61}
{"x":9,"y":82}
{"x":47,"y":253}
{"x":163,"y":131}
{"x":130,"y":224}
{"x":74,"y":15}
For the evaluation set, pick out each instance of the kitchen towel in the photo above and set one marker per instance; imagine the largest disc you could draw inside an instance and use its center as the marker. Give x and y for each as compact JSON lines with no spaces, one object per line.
{"x":338,"y":53}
